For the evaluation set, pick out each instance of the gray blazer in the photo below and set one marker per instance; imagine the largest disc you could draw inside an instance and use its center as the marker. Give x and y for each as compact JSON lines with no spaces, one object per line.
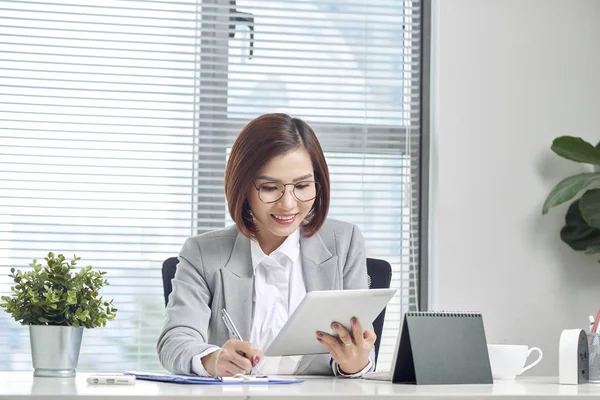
{"x":215,"y":272}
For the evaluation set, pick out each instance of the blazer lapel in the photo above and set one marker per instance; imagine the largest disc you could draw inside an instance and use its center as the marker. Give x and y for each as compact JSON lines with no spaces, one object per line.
{"x":319,"y":265}
{"x":238,"y":284}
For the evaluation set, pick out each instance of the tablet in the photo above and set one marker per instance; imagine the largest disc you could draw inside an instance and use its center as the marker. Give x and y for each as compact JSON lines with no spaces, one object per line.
{"x":318,"y":310}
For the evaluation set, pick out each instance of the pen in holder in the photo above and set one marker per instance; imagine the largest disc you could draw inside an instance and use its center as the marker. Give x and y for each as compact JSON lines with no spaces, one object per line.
{"x":594,"y":356}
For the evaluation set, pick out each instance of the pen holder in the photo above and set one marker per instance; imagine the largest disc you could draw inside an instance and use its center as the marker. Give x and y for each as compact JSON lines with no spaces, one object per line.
{"x":594,"y":356}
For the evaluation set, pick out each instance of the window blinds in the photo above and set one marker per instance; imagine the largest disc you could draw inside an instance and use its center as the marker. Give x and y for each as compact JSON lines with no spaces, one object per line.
{"x":117,"y":117}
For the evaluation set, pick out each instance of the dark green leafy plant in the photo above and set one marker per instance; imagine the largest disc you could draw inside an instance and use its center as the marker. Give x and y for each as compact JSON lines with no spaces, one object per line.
{"x":55,"y":295}
{"x":582,"y":221}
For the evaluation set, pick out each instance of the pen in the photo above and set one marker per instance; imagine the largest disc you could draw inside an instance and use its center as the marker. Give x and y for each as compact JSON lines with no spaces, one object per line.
{"x":596,"y":320}
{"x":234,"y":332}
{"x":230,"y":325}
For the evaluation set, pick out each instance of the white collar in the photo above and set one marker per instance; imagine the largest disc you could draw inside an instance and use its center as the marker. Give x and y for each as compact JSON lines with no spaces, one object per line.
{"x":290,"y":248}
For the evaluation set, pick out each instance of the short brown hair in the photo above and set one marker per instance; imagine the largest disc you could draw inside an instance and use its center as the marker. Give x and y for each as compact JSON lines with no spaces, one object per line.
{"x":263,"y":138}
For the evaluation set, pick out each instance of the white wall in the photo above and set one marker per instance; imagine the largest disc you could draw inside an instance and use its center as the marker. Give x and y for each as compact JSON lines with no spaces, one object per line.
{"x":508,"y":76}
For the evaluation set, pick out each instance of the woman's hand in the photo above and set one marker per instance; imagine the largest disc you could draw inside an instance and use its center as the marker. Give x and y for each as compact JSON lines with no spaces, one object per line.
{"x":350,"y":349}
{"x":235,"y":357}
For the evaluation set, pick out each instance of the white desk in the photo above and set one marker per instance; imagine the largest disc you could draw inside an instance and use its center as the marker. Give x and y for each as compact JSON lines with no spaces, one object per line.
{"x":16,"y":385}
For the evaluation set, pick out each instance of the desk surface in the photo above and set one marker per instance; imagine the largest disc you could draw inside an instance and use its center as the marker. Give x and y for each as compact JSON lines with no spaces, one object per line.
{"x":15,"y":385}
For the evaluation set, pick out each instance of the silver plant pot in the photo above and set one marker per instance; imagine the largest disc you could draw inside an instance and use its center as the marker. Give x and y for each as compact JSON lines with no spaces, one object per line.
{"x":55,"y":350}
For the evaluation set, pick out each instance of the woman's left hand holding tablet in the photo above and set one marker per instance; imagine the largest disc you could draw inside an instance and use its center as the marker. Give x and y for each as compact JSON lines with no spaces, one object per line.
{"x":350,"y":349}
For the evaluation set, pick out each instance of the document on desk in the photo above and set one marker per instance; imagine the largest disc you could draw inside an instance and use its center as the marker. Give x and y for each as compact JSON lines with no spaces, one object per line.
{"x":238,"y":379}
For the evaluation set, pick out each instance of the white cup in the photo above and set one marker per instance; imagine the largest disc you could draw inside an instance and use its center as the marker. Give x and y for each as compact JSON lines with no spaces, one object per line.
{"x":508,"y":360}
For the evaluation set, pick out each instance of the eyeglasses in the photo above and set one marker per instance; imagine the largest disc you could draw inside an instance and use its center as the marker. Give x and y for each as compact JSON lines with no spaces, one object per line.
{"x":270,"y":192}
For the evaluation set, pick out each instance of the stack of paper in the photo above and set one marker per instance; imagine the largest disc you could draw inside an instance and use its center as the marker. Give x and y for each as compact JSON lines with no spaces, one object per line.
{"x":198,"y":380}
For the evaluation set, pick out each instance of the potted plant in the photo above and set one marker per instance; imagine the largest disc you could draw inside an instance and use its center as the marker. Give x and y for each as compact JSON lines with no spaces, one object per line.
{"x":57,"y":304}
{"x":582,"y":221}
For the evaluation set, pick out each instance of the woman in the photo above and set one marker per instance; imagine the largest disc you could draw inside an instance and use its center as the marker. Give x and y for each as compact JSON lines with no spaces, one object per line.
{"x":281,"y":246}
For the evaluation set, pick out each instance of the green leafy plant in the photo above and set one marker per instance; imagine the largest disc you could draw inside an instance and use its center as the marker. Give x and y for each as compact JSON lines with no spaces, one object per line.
{"x":582,"y":221}
{"x":55,"y":295}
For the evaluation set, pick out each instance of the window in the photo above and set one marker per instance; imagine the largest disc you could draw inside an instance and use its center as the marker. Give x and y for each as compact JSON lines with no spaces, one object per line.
{"x":117,"y":118}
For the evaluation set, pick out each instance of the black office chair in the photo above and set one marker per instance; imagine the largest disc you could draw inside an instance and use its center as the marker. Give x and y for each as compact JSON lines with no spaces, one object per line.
{"x":379,"y":277}
{"x":168,"y":272}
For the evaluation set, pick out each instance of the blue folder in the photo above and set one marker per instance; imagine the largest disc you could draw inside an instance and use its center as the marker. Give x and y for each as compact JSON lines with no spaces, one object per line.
{"x":198,"y":380}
